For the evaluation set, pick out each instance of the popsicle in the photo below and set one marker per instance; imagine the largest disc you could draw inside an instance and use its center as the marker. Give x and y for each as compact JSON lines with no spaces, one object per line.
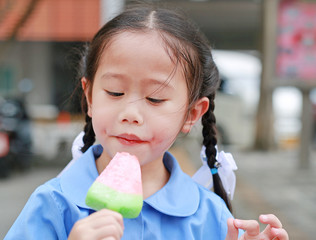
{"x":118,"y":187}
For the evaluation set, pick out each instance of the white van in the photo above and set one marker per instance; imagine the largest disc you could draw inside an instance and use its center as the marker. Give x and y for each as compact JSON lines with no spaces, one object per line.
{"x":237,"y":100}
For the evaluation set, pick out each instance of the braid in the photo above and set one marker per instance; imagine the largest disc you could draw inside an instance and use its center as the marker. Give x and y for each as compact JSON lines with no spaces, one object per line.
{"x":209,"y":132}
{"x":210,"y":141}
{"x":89,"y":135}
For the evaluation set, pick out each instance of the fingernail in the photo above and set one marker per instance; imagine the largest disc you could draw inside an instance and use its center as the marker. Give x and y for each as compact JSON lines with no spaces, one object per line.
{"x":238,"y":223}
{"x":264,"y":217}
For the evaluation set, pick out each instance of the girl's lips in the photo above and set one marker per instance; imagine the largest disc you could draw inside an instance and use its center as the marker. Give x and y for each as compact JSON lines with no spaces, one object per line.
{"x":129,"y":139}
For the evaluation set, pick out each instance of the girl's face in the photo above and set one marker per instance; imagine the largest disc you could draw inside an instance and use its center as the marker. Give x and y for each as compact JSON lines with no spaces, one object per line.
{"x":139,"y":98}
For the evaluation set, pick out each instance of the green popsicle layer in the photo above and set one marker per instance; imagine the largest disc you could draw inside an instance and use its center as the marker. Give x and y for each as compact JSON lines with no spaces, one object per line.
{"x":100,"y":196}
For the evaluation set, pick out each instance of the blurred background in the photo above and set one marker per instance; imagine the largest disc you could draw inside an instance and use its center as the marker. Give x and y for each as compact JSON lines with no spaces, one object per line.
{"x":266,"y":105}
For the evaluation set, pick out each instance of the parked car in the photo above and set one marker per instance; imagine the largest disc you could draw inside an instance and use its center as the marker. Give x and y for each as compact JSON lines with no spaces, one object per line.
{"x":238,"y":96}
{"x":241,"y":74}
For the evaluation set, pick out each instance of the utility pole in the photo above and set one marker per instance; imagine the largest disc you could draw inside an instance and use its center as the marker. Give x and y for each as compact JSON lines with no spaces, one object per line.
{"x":264,"y":139}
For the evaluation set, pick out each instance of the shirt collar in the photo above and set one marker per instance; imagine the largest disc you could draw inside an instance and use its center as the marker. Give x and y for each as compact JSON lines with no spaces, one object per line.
{"x":76,"y":180}
{"x":179,"y":197}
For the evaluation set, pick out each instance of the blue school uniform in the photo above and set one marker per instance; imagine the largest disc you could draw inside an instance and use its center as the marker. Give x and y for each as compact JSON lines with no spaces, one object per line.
{"x":182,"y":209}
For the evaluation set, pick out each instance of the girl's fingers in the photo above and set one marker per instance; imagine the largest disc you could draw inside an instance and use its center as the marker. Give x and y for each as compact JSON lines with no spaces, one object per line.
{"x":251,"y":227}
{"x":232,"y":232}
{"x":108,"y":223}
{"x":273,"y":223}
{"x":109,"y":231}
{"x":274,"y":228}
{"x":105,"y":216}
{"x":104,"y":224}
{"x":280,"y":234}
{"x":270,"y":219}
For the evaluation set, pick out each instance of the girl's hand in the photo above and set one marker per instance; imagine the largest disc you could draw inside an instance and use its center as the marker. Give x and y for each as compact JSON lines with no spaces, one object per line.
{"x":104,"y":224}
{"x":273,"y":231}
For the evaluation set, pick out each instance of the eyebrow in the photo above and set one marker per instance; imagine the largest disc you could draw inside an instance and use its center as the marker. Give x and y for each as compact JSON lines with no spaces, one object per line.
{"x":113,"y":75}
{"x":162,"y":83}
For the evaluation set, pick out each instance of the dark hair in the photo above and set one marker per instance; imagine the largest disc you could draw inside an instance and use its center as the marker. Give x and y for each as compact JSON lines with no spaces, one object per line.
{"x":184,"y":44}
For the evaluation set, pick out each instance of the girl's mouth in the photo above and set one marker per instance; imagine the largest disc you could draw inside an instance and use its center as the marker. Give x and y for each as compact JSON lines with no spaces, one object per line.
{"x":129,"y":139}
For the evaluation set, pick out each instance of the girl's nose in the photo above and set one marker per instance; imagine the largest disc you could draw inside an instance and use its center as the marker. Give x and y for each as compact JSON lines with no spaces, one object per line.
{"x":132,"y":114}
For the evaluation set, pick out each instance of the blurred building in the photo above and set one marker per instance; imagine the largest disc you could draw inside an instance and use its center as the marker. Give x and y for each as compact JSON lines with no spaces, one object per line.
{"x":40,"y":41}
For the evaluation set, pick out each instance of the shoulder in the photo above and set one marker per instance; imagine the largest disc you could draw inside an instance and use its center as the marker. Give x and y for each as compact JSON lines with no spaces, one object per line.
{"x":45,"y":191}
{"x":210,"y":197}
{"x":48,"y":214}
{"x":51,"y":185}
{"x":214,"y":211}
{"x":48,"y":194}
{"x":49,"y":201}
{"x":213,"y":203}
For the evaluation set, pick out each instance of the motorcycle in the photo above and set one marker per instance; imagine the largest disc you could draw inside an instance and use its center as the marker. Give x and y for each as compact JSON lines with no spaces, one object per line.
{"x":15,"y":136}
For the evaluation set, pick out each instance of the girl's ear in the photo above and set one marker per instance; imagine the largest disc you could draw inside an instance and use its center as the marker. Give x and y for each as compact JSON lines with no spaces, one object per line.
{"x":86,"y":90}
{"x":195,"y":113}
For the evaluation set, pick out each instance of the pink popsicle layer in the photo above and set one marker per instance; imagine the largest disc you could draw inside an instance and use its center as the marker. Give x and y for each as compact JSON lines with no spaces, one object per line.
{"x":123,"y":174}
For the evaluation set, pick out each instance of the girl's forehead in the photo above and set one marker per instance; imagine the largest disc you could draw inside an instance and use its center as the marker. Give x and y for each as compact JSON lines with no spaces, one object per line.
{"x":153,"y":38}
{"x":145,"y":36}
{"x":144,"y":41}
{"x":147,"y":41}
{"x":129,"y":51}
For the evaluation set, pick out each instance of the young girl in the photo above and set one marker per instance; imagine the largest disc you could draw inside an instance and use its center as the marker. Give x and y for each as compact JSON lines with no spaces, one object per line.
{"x":148,"y":75}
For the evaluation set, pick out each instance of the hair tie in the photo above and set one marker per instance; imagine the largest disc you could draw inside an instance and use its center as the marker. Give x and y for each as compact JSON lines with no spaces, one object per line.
{"x":224,"y":167}
{"x":214,"y":171}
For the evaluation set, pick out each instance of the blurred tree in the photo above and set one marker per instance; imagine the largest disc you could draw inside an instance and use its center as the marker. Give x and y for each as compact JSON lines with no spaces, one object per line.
{"x":6,"y":7}
{"x":27,"y":13}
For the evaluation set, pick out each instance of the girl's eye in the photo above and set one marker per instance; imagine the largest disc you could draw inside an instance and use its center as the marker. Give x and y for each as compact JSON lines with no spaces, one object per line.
{"x":114,"y":94}
{"x":154,"y":100}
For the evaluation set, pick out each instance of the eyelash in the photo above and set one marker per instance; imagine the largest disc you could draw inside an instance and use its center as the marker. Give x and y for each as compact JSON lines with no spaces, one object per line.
{"x":152,"y":100}
{"x":114,"y":94}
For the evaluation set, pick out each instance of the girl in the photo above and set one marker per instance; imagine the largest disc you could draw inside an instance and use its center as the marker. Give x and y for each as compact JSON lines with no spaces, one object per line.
{"x":148,"y":75}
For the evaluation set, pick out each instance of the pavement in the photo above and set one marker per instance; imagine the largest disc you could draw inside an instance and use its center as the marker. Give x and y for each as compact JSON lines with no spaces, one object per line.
{"x":16,"y":190}
{"x":267,"y":182}
{"x":274,"y":183}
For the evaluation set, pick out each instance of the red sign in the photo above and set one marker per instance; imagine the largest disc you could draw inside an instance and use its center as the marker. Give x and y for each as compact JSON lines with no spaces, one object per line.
{"x":4,"y":144}
{"x":296,"y":40}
